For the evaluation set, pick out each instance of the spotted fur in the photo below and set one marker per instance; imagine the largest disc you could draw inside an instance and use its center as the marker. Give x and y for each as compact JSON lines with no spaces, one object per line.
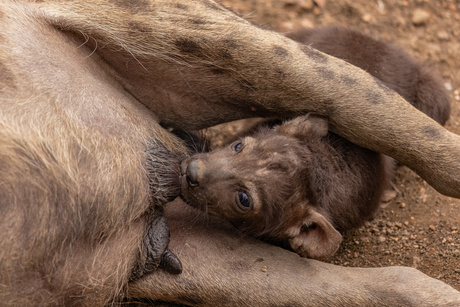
{"x":87,"y":89}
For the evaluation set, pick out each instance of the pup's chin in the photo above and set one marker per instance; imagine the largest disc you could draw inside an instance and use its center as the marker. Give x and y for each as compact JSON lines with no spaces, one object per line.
{"x":185,"y":194}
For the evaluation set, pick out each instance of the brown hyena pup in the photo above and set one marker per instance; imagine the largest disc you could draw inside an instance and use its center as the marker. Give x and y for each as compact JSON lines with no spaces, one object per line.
{"x":295,"y":183}
{"x":298,"y":184}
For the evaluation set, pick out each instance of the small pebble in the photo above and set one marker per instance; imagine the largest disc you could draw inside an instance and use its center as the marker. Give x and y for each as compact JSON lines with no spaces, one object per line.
{"x":420,"y":17}
{"x":367,"y":18}
{"x":443,"y":35}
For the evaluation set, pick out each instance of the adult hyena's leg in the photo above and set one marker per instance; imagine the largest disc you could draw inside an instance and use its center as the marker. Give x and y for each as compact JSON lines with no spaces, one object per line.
{"x":270,"y":276}
{"x":195,"y":64}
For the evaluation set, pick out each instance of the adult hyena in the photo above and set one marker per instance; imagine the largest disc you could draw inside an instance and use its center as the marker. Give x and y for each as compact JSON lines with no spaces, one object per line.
{"x":86,"y":165}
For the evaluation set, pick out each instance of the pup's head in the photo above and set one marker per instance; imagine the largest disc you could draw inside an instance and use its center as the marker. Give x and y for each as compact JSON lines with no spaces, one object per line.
{"x":261,"y":184}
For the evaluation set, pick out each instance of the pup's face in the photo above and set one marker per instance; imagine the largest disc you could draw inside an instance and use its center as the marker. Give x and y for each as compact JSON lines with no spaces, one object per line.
{"x":259,"y":183}
{"x":252,"y":182}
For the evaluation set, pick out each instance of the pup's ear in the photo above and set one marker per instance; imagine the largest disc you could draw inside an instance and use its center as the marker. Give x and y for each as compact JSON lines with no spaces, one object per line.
{"x":304,"y":126}
{"x":315,"y":237}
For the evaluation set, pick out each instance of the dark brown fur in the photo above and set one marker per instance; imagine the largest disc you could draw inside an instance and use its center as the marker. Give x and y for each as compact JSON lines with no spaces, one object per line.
{"x":296,"y":171}
{"x":303,"y":183}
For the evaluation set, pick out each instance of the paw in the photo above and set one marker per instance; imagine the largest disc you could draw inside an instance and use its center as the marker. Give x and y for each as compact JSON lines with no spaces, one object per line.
{"x":155,"y":253}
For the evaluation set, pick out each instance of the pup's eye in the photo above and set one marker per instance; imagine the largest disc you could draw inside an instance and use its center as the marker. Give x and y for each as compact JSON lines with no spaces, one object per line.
{"x":243,"y":201}
{"x":237,"y":146}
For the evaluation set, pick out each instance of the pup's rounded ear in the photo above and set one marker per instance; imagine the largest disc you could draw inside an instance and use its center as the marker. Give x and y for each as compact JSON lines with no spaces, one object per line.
{"x":315,"y":238}
{"x":305,"y":125}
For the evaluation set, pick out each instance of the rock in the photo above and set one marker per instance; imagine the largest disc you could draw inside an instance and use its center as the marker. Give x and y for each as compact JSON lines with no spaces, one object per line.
{"x":374,"y":230}
{"x":290,"y":3}
{"x":307,"y":23}
{"x":389,"y":195}
{"x":420,"y":17}
{"x":368,"y":18}
{"x":457,"y":95}
{"x":306,"y":5}
{"x":287,"y":26}
{"x":443,"y":35}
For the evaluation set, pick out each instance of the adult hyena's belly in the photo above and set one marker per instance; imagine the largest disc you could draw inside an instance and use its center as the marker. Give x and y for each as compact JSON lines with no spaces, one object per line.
{"x":74,"y":172}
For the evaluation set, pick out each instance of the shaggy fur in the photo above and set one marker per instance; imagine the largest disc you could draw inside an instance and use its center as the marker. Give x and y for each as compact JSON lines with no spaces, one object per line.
{"x":87,"y":89}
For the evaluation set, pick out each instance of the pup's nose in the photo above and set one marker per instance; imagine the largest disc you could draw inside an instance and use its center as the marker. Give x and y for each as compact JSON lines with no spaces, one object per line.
{"x":192,"y":173}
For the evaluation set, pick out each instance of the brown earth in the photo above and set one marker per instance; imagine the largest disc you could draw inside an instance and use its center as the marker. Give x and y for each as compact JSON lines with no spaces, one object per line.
{"x":417,"y":227}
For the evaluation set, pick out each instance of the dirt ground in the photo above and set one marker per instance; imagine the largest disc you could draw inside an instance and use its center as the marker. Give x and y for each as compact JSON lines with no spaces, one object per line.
{"x":417,"y":227}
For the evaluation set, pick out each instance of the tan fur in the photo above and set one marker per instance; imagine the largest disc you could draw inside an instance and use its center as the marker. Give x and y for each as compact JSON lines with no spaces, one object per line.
{"x":165,"y":65}
{"x":296,"y":184}
{"x":239,"y":271}
{"x":84,"y":87}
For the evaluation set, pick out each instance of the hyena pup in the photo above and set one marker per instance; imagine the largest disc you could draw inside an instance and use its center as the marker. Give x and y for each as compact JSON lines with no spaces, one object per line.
{"x":298,"y":184}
